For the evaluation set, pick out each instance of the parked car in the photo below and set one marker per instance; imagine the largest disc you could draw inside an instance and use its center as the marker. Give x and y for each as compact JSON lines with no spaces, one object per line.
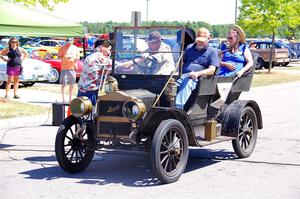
{"x":51,"y":58}
{"x":215,"y":43}
{"x":278,"y":45}
{"x":49,"y":45}
{"x":296,"y":48}
{"x":4,"y":43}
{"x":262,"y":49}
{"x":33,"y":71}
{"x":135,"y":111}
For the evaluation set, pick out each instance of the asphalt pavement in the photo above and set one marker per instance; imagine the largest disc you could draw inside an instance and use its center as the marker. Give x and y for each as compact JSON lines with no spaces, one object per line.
{"x":28,"y":166}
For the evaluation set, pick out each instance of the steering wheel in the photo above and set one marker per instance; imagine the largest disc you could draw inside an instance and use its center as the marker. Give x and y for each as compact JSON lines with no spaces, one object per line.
{"x":149,"y":65}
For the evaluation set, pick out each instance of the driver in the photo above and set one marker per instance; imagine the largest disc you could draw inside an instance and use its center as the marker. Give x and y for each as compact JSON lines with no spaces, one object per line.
{"x":157,"y":59}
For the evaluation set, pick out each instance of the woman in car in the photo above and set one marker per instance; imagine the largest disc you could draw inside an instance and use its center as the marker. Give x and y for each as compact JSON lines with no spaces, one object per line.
{"x":15,"y":56}
{"x":237,"y":58}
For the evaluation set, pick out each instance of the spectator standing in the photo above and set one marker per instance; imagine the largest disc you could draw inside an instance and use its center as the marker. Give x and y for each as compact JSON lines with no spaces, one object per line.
{"x":15,"y":55}
{"x":69,"y":55}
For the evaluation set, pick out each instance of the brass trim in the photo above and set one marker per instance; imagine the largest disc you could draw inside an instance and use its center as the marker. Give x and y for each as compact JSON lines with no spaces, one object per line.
{"x":107,"y":135}
{"x":112,"y":119}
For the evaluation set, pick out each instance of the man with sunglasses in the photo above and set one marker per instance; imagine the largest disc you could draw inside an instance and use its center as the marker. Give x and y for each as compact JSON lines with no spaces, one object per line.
{"x":199,"y":60}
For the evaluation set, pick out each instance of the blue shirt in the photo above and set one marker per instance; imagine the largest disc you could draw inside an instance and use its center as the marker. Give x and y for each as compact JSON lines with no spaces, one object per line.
{"x":197,"y":60}
{"x":236,"y":58}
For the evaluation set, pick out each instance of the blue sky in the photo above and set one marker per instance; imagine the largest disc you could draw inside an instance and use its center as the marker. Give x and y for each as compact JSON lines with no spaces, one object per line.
{"x":211,"y":11}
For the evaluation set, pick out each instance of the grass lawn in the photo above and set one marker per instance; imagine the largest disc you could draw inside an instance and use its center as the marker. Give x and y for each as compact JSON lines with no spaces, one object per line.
{"x":10,"y":109}
{"x":276,"y":76}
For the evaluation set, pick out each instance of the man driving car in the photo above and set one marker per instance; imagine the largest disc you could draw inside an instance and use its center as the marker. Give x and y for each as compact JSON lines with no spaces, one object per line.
{"x":157,"y":58}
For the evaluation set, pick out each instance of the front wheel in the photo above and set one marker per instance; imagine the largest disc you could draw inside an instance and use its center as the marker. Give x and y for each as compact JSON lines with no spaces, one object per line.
{"x":72,"y":145}
{"x":247,"y":133}
{"x":169,"y":152}
{"x":54,"y":75}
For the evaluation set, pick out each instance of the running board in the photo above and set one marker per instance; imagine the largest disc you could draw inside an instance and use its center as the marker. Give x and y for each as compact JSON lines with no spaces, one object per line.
{"x":218,"y":139}
{"x":204,"y":137}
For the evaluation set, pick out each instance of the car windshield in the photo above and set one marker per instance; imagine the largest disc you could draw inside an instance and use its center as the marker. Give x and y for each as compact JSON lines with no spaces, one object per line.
{"x":147,"y":51}
{"x":62,"y":43}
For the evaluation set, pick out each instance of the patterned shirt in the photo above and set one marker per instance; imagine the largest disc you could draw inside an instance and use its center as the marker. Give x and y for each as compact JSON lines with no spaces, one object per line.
{"x":96,"y":67}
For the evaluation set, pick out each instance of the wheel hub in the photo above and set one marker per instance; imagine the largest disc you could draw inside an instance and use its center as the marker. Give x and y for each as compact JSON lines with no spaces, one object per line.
{"x":76,"y":143}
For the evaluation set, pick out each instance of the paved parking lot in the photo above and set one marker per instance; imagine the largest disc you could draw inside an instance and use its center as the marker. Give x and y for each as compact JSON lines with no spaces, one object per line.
{"x":29,"y":168}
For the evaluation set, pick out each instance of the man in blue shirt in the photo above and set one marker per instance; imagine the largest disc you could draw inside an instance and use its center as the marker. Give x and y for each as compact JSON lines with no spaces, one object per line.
{"x":199,"y":60}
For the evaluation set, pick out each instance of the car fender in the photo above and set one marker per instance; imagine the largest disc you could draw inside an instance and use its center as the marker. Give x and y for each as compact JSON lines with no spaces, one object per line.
{"x":157,"y":114}
{"x":230,"y":116}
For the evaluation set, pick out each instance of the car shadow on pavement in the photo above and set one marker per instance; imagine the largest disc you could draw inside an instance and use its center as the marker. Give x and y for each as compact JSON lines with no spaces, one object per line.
{"x":129,"y":169}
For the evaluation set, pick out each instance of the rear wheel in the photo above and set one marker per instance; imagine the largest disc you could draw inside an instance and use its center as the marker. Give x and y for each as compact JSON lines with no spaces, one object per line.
{"x":266,"y":66}
{"x":247,"y":133}
{"x":2,"y":84}
{"x":72,"y":146}
{"x":260,"y":63}
{"x":285,"y":63}
{"x":54,"y":75}
{"x":169,"y":152}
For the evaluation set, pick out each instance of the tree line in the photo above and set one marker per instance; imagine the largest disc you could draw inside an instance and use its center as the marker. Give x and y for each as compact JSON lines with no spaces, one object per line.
{"x":217,"y":31}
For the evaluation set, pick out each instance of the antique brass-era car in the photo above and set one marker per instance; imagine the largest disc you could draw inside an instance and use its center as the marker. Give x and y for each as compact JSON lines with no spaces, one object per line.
{"x":135,"y":110}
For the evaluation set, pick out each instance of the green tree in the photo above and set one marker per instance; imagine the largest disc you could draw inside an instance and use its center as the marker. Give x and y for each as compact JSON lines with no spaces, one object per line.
{"x":268,"y":16}
{"x":49,"y":4}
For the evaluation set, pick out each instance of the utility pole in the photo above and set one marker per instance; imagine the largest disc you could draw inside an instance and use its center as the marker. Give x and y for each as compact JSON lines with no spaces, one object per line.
{"x":235,"y":17}
{"x":147,"y":10}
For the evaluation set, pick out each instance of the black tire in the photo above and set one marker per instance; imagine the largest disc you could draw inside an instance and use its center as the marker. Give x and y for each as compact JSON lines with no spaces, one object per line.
{"x":54,"y":75}
{"x":247,"y":133}
{"x":285,"y":63}
{"x":260,"y":63}
{"x":2,"y":84}
{"x":28,"y":83}
{"x":266,"y":66}
{"x":169,"y":152}
{"x":72,"y":153}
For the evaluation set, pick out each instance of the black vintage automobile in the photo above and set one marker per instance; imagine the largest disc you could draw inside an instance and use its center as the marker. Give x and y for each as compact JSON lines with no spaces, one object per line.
{"x":135,"y":110}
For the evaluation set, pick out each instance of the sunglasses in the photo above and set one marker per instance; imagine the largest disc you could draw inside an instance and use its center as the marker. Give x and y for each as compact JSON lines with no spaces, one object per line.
{"x":229,"y":38}
{"x":13,"y":42}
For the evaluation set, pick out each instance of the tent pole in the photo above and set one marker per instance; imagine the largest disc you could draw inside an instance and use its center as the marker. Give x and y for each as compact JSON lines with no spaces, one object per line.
{"x":83,"y":46}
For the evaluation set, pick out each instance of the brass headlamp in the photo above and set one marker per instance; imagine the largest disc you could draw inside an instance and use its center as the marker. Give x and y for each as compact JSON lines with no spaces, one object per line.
{"x":133,"y":110}
{"x":81,"y":106}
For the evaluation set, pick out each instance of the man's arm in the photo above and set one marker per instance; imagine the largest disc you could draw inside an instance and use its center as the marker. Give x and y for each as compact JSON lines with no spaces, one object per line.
{"x":209,"y":71}
{"x":213,"y":65}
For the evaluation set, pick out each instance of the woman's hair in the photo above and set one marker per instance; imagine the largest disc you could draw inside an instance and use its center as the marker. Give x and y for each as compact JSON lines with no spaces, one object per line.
{"x":11,"y":40}
{"x":237,"y":35}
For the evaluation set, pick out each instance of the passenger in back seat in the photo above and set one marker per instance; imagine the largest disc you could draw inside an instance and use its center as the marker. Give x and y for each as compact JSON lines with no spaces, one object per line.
{"x":237,"y":58}
{"x":199,"y":60}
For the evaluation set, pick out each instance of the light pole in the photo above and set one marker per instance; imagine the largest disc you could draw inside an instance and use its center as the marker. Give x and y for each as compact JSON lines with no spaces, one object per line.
{"x":235,"y":16}
{"x":147,"y":10}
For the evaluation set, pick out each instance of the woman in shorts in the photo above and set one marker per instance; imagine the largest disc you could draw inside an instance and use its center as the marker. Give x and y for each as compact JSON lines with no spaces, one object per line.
{"x":14,"y":55}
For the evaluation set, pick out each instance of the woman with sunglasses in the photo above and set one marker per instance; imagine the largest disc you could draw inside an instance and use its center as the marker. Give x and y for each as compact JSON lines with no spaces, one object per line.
{"x":237,"y":58}
{"x":14,"y":55}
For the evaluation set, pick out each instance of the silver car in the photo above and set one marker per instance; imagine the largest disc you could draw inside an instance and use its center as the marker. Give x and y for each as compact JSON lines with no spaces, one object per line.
{"x":33,"y":71}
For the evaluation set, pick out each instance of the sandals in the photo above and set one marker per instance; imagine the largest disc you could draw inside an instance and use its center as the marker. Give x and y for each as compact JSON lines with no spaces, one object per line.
{"x":6,"y":97}
{"x":16,"y":97}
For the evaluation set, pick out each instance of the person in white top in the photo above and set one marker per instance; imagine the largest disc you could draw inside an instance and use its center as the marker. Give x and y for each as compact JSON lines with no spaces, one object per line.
{"x":158,"y":55}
